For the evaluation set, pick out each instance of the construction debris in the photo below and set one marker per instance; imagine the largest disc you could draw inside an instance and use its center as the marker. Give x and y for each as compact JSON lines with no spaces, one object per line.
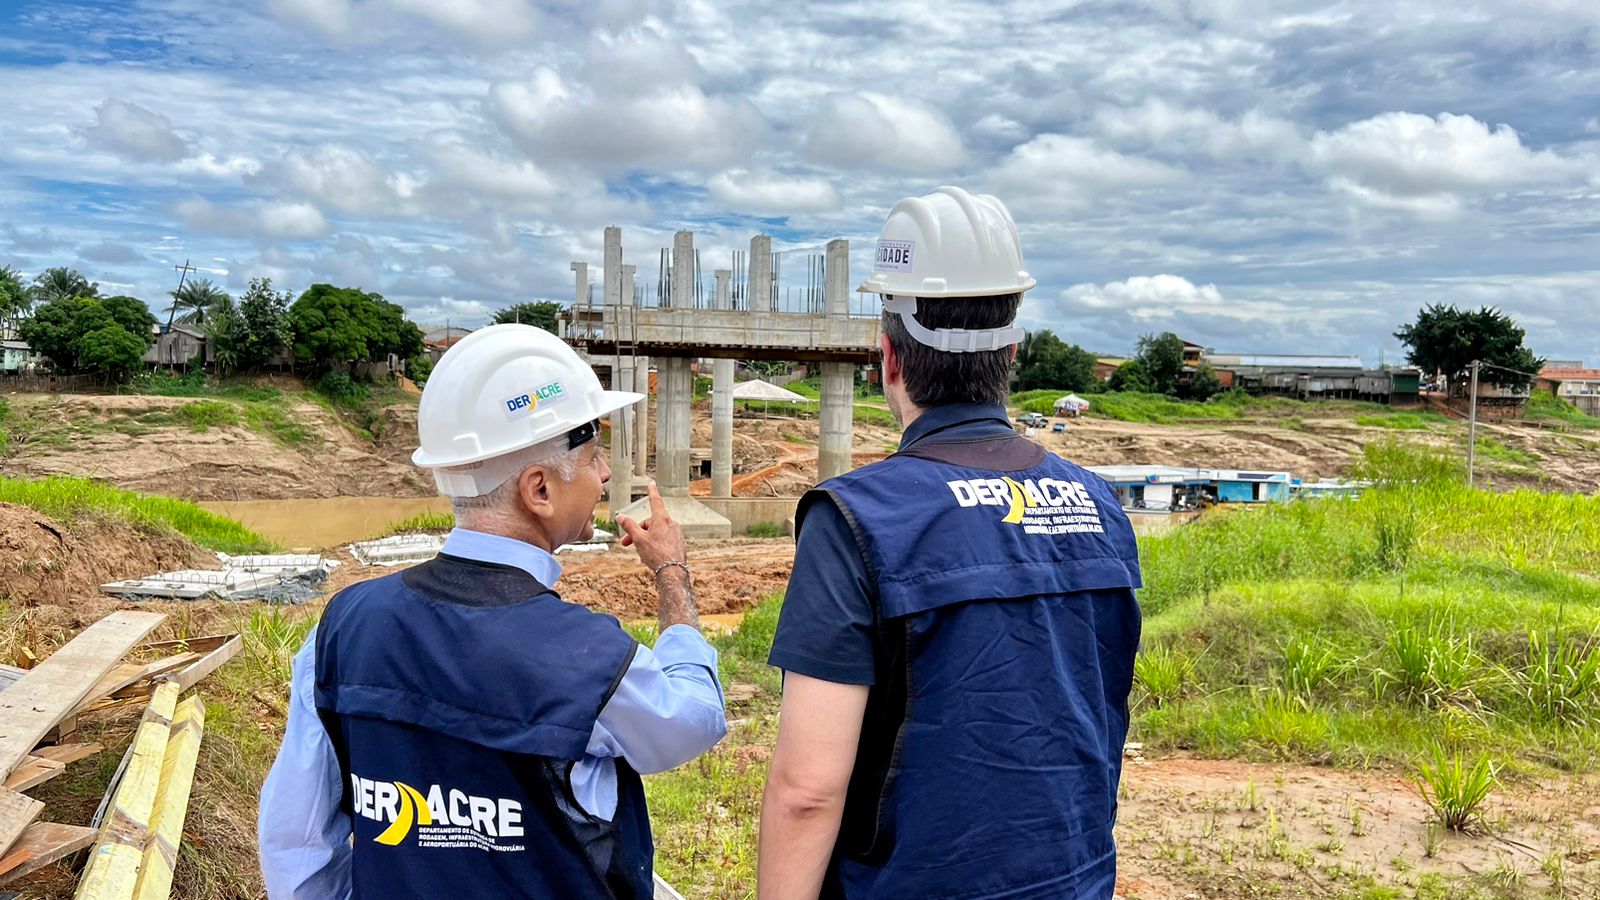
{"x":397,"y":550}
{"x":280,"y":578}
{"x":137,"y":841}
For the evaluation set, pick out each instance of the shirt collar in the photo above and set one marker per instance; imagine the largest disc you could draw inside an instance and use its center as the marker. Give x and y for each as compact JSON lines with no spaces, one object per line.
{"x":942,"y":416}
{"x":494,"y":548}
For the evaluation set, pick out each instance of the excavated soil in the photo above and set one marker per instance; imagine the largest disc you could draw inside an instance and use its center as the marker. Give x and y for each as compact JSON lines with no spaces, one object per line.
{"x":730,"y":576}
{"x":222,"y":462}
{"x":45,"y":563}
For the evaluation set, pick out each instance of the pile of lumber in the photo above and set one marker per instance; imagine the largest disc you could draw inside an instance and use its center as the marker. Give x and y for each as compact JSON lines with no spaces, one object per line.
{"x":135,"y":837}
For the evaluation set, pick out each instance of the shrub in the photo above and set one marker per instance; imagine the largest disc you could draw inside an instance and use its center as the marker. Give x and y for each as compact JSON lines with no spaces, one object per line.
{"x":203,"y":414}
{"x":1309,"y":666}
{"x":341,"y":389}
{"x":1162,"y":674}
{"x":1456,"y":791}
{"x":1561,"y":683}
{"x":1434,"y":666}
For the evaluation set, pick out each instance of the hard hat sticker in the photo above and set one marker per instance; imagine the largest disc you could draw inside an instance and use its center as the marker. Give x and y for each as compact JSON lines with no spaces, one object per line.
{"x":894,"y":256}
{"x":522,"y":405}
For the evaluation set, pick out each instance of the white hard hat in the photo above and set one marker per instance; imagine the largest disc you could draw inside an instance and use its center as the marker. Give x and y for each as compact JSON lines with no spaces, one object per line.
{"x":499,"y":390}
{"x":948,"y":244}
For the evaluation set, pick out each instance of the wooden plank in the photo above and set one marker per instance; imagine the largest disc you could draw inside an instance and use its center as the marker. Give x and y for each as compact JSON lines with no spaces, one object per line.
{"x":16,"y":812}
{"x":172,"y":802}
{"x":33,"y":772}
{"x":46,"y":763}
{"x":188,"y":678}
{"x":42,"y":844}
{"x":44,"y":696}
{"x":124,"y":680}
{"x":113,"y":867}
{"x":199,"y":645}
{"x":153,"y":671}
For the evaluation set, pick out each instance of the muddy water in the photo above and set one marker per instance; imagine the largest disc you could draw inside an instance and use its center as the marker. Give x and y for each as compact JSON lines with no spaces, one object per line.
{"x":325,"y":522}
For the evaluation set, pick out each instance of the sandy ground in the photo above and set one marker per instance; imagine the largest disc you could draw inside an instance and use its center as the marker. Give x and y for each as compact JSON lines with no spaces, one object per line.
{"x":1192,"y":829}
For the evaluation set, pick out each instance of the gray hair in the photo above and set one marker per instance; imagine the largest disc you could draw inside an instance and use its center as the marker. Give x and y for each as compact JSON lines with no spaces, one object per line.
{"x":553,"y":455}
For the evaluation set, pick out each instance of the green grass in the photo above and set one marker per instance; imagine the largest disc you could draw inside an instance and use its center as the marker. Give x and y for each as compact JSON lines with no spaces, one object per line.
{"x":1346,"y":631}
{"x":432,"y":522}
{"x":195,"y":384}
{"x":1403,"y":420}
{"x":69,"y":499}
{"x":764,"y":530}
{"x":1545,"y":405}
{"x":862,"y":414}
{"x":1491,"y":449}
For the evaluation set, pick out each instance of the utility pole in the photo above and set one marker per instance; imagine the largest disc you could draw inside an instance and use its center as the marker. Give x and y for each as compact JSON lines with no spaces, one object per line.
{"x":1472,"y":427}
{"x":183,"y":272}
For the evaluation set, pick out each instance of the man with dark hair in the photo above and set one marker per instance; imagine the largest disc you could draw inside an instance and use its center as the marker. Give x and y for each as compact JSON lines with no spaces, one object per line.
{"x":958,"y":634}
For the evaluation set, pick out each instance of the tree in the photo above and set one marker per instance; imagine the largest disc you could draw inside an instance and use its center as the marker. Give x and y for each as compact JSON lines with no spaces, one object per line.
{"x":1046,"y":361}
{"x":1162,"y":360}
{"x":1203,"y":386}
{"x":14,"y":298}
{"x":91,"y":334}
{"x":1130,"y":377}
{"x":112,"y":351}
{"x":61,"y":283}
{"x":197,"y":300}
{"x":132,"y":314}
{"x":1447,"y":340}
{"x":542,"y":313}
{"x":337,"y":326}
{"x":248,"y":335}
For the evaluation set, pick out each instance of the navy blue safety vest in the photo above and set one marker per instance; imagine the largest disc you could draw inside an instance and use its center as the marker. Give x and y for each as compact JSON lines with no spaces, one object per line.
{"x":458,"y":696}
{"x":1006,"y":630}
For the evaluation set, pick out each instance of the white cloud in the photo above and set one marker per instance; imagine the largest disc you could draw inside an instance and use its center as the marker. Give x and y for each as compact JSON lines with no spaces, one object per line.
{"x":873,"y":131}
{"x":491,"y":23}
{"x":273,"y":219}
{"x":1162,"y":126}
{"x":135,"y":133}
{"x":1059,"y":173}
{"x":1430,"y":166}
{"x":1146,"y":297}
{"x":636,"y":102}
{"x":340,"y":177}
{"x":765,"y":193}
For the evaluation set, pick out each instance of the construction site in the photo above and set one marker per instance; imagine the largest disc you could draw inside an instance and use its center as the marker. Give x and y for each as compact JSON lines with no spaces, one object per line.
{"x":1280,"y":747}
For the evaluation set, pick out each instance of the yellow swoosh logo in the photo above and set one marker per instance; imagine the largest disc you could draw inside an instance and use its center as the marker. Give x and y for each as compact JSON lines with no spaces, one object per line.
{"x":412,"y":808}
{"x":1018,"y":504}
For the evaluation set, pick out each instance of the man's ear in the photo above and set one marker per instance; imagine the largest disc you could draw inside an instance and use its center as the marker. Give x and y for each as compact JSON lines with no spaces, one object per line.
{"x":891,"y":363}
{"x":533,"y":488}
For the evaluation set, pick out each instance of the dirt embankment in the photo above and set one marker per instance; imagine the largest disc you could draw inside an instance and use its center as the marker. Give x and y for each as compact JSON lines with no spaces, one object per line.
{"x":109,"y":438}
{"x":45,"y":563}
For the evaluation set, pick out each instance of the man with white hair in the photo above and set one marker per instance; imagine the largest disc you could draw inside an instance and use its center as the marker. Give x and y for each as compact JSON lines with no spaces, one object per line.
{"x":457,"y":729}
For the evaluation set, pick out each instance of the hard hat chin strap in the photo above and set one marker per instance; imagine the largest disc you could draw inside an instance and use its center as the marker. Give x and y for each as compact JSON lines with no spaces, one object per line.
{"x":950,"y":340}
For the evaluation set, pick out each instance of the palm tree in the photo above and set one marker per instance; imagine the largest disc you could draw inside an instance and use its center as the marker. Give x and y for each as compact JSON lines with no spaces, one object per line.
{"x":61,"y":283}
{"x":200,"y":298}
{"x":14,"y":300}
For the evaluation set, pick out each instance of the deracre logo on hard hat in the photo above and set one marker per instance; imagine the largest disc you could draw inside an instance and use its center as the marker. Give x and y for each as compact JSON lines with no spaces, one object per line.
{"x":522,"y":405}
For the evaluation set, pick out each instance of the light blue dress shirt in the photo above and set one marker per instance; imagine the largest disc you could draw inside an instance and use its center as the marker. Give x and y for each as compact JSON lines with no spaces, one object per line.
{"x":667,"y":709}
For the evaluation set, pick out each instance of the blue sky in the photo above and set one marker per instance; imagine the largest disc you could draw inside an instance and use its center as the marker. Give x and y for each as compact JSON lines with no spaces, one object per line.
{"x":1256,"y":175}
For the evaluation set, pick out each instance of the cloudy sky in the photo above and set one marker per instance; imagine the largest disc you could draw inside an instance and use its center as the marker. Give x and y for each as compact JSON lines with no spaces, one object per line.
{"x":1256,"y":175}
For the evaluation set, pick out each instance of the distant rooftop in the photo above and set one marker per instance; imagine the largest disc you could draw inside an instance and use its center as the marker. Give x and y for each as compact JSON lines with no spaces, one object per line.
{"x":1285,"y":360}
{"x":1554,"y":374}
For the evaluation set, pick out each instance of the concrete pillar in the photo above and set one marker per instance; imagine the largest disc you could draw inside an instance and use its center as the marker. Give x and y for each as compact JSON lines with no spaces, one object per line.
{"x":580,"y":298}
{"x":722,"y":401}
{"x":641,"y":417}
{"x":758,"y":275}
{"x":675,"y":391}
{"x":640,"y":420}
{"x":838,"y":379}
{"x":619,"y":492}
{"x":838,"y":399}
{"x":836,"y":270}
{"x":681,"y":290}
